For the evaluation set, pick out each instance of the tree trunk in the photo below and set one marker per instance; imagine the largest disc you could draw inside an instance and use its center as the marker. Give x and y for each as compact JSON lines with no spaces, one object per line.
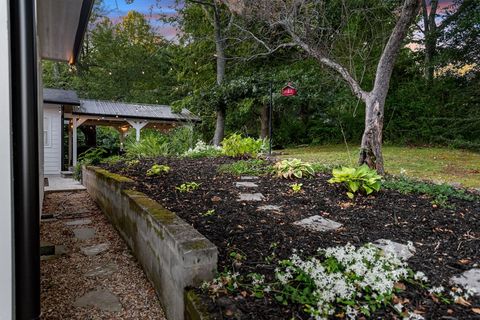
{"x":431,"y":37}
{"x":221,"y":62}
{"x":219,"y":127}
{"x":371,"y":147}
{"x":264,"y":122}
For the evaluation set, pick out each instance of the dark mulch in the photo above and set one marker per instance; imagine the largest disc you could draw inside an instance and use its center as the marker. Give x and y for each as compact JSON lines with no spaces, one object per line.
{"x":447,"y":240}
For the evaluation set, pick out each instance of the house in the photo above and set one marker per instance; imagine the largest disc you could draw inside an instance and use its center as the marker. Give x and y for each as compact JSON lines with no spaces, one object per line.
{"x":64,"y":113}
{"x":30,"y":30}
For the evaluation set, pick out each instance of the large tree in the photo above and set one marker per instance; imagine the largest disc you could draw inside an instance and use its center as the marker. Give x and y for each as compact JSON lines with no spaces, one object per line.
{"x":315,"y":27}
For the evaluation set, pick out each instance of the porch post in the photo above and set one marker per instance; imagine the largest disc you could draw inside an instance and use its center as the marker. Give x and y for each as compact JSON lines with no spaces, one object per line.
{"x":74,"y":148}
{"x":76,"y":123}
{"x":138,"y":125}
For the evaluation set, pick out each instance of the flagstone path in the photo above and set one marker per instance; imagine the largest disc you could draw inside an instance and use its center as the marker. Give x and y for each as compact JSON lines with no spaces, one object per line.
{"x":96,"y":277}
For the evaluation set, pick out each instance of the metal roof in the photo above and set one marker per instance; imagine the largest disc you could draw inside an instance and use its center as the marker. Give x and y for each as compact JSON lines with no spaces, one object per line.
{"x":60,"y":96}
{"x":132,"y":110}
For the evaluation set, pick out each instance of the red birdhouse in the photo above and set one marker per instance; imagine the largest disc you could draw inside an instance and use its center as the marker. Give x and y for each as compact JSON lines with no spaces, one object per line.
{"x":289,"y":90}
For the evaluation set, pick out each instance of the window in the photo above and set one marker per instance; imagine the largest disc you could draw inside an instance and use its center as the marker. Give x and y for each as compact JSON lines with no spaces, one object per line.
{"x":47,"y":131}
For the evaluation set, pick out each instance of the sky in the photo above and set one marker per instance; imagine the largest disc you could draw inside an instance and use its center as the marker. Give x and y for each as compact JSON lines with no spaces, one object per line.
{"x":153,"y":8}
{"x":150,"y":8}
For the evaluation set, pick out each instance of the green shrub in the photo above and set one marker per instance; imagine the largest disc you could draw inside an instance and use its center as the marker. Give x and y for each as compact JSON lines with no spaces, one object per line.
{"x":237,"y":146}
{"x":150,"y":145}
{"x":252,"y":167}
{"x":188,"y":187}
{"x":112,"y":160}
{"x":440,"y":193}
{"x":157,"y":169}
{"x":357,"y":179}
{"x":92,"y":156}
{"x":294,"y":168}
{"x":296,"y":187}
{"x":202,"y":150}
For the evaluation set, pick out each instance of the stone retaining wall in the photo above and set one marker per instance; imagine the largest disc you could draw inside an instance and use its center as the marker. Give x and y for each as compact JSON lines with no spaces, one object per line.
{"x":172,"y":253}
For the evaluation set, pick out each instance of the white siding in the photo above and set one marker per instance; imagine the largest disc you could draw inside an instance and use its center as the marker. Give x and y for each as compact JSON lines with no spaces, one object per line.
{"x":6,"y":213}
{"x":52,"y":142}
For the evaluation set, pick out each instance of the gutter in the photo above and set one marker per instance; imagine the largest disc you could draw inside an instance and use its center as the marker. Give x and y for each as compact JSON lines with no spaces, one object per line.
{"x":26,"y":198}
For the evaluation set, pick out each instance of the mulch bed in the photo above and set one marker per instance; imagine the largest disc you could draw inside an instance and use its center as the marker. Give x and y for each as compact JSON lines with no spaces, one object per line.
{"x":447,"y":240}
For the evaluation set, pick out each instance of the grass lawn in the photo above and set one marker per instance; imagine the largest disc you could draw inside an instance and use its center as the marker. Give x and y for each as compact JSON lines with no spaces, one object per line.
{"x":435,"y":164}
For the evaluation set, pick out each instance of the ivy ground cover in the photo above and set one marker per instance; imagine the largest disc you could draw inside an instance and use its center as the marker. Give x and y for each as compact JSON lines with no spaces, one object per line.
{"x":271,"y":266}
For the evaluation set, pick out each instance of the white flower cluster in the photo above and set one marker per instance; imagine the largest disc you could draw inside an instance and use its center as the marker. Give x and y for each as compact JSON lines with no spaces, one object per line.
{"x":465,"y":293}
{"x":202,"y":147}
{"x":220,"y":282}
{"x":357,"y":269}
{"x":420,"y":276}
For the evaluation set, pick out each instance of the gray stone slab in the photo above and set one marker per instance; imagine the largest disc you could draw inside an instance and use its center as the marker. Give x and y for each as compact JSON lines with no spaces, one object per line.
{"x":245,"y":184}
{"x":248,"y":178}
{"x":78,"y":222}
{"x":470,"y":278}
{"x":101,"y":298}
{"x":84,"y":233}
{"x":318,"y":223}
{"x":400,"y":250}
{"x":95,"y":249}
{"x":251,"y":197}
{"x":269,"y":207}
{"x":102,"y":270}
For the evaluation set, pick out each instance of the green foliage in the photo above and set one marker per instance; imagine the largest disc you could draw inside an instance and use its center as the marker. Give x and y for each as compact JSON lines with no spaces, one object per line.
{"x":357,"y":179}
{"x":296,"y":187}
{"x":208,"y":213}
{"x":112,"y":160}
{"x":254,"y":167}
{"x":92,"y":156}
{"x":237,"y":146}
{"x":440,"y":193}
{"x":202,"y":150}
{"x":132,"y":163}
{"x":294,"y":168}
{"x":157,"y":169}
{"x":188,"y":187}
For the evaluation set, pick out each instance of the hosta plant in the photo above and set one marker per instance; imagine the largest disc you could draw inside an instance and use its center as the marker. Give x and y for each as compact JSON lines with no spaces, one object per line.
{"x":361,"y":179}
{"x":238,"y":146}
{"x":294,"y":168}
{"x":157,"y":169}
{"x":188,"y":187}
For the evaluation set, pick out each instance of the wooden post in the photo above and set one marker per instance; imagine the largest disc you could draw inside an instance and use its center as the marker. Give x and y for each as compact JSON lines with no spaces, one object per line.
{"x":137,"y":125}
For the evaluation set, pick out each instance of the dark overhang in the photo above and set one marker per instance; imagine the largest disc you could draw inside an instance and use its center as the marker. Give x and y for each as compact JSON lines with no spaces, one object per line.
{"x":60,"y":96}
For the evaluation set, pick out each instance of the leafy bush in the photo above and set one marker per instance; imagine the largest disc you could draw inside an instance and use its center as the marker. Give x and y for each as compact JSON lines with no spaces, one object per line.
{"x":294,"y":168}
{"x":357,"y":179}
{"x":150,"y":145}
{"x":440,"y":193}
{"x":112,"y":160}
{"x":188,"y":187}
{"x":157,"y":169}
{"x":252,"y":167}
{"x":92,"y":156}
{"x":202,"y":150}
{"x":237,"y":146}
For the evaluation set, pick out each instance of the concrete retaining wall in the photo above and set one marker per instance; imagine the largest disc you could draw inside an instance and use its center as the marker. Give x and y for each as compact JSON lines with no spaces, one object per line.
{"x":173,"y":254}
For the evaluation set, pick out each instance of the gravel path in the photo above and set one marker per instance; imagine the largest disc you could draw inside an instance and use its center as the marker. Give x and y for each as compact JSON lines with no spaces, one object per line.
{"x":66,"y":280}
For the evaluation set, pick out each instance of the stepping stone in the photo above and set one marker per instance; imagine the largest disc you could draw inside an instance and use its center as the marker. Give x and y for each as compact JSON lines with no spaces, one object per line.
{"x":400,"y":250}
{"x":246,"y":184}
{"x":102,"y":270}
{"x":50,"y":252}
{"x":269,"y":207}
{"x":318,"y":223}
{"x":101,"y":298}
{"x":248,"y":178}
{"x":251,"y":197}
{"x":84,"y":233}
{"x":470,"y":278}
{"x":78,"y":222}
{"x":94,"y":250}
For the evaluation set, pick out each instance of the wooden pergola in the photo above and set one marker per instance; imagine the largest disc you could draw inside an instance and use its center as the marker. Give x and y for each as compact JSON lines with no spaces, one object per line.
{"x":119,"y":115}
